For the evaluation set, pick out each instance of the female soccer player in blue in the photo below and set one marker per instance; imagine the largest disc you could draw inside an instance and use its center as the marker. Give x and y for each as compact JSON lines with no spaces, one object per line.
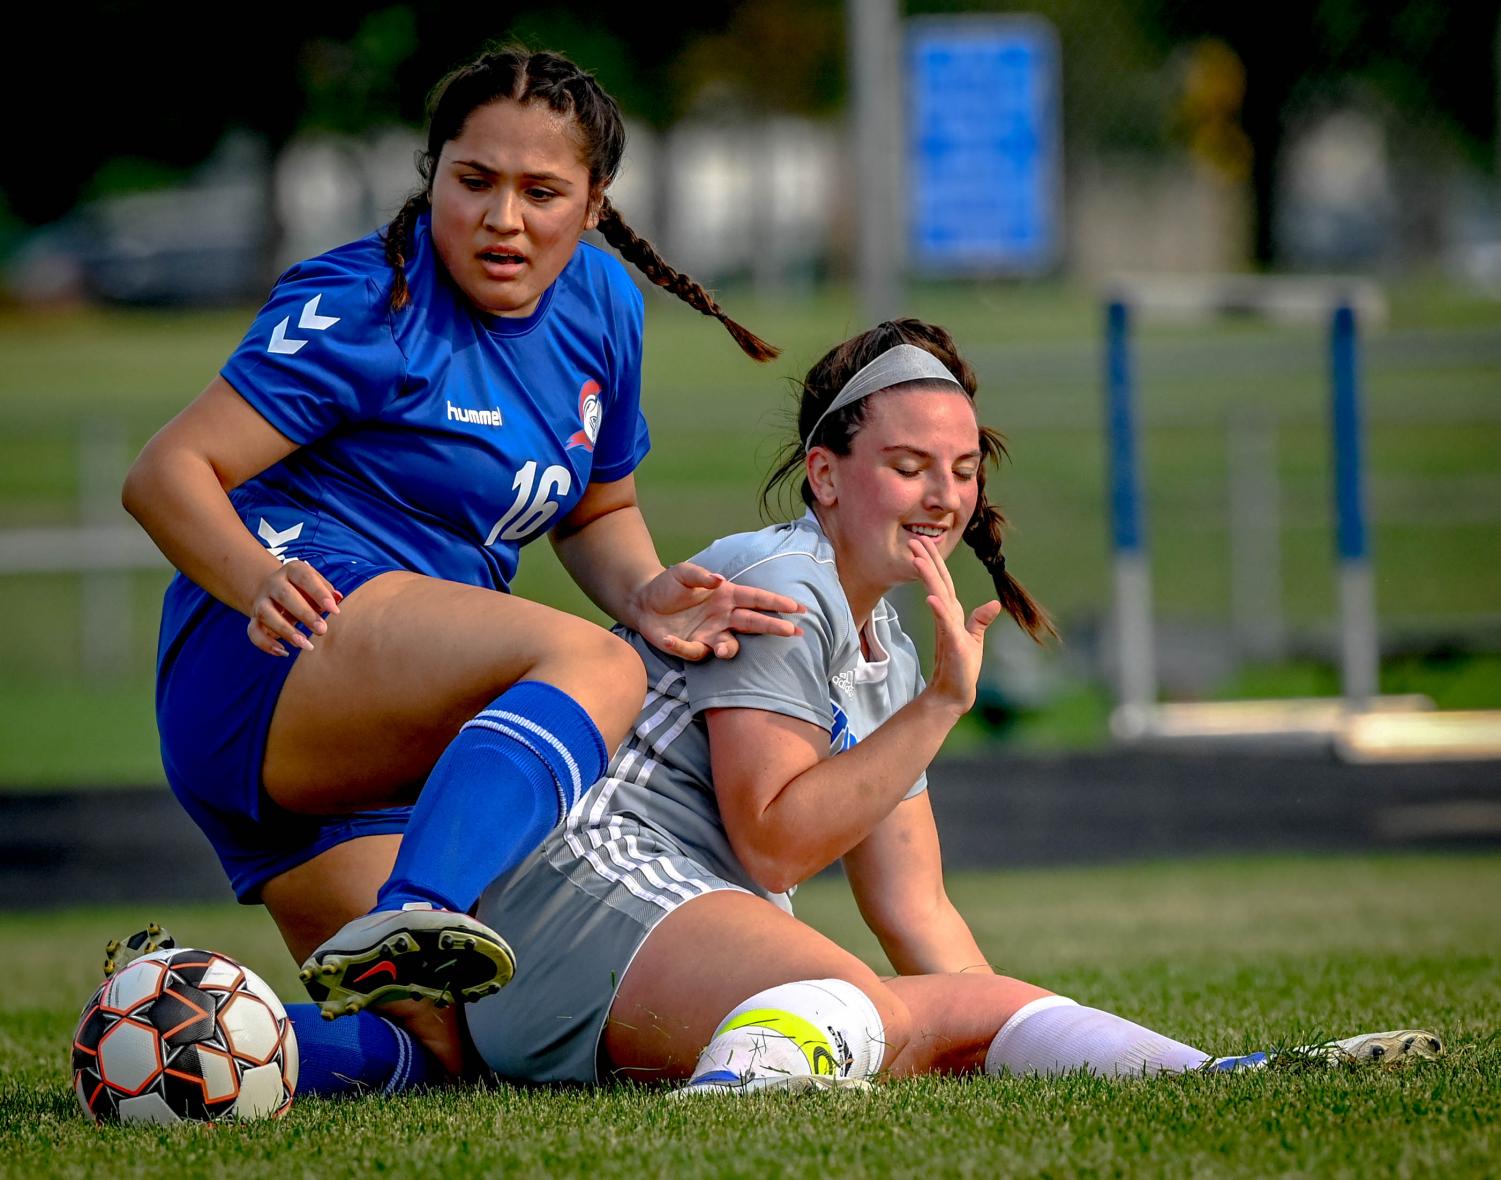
{"x":405,"y":413}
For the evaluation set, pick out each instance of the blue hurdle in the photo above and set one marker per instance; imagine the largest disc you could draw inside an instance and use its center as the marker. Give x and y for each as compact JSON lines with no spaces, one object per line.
{"x":1136,"y":677}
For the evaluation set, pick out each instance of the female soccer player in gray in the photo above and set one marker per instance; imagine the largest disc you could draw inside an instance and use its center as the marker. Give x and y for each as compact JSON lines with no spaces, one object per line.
{"x":657,"y":920}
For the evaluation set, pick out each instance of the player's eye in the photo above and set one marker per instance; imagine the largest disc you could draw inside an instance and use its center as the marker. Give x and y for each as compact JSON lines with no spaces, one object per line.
{"x":475,"y":184}
{"x":965,"y":473}
{"x":540,"y":194}
{"x":908,"y":470}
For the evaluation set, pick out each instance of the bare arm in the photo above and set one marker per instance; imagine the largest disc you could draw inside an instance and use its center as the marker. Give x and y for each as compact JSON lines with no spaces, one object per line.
{"x":178,"y":489}
{"x":788,"y":810}
{"x":686,"y":610}
{"x":604,"y":545}
{"x":896,"y":875}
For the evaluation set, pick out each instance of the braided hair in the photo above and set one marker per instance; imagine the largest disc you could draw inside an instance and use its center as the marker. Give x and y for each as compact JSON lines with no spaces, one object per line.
{"x":985,"y":531}
{"x":515,"y":74}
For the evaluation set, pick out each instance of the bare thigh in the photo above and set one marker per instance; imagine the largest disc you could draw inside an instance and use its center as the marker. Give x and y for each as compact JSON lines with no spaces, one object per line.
{"x":409,"y":659}
{"x":705,"y":958}
{"x":313,"y":900}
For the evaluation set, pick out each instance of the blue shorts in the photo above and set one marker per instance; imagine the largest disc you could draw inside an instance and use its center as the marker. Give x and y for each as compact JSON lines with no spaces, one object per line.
{"x":215,"y":693}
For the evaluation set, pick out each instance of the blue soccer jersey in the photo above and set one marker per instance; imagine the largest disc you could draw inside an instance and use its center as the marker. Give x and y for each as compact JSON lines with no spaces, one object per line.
{"x":438,"y":438}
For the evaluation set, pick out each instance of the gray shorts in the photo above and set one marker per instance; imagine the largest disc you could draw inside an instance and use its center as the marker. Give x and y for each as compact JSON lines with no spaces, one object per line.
{"x":576,"y":912}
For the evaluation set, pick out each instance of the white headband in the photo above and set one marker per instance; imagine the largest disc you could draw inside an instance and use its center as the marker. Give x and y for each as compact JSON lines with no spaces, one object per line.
{"x":905,"y":362}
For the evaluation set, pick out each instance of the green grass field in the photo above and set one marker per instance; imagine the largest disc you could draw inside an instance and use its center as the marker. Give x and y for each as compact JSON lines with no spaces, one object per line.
{"x":1433,"y":425}
{"x":1231,"y":955}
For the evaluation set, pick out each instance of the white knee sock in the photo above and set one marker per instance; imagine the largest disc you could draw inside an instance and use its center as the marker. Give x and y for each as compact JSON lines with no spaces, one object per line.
{"x":1055,"y":1035}
{"x":815,"y":1026}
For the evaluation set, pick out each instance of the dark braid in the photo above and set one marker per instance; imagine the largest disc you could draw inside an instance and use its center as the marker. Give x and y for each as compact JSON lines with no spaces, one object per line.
{"x":644,"y":257}
{"x":514,"y":73}
{"x":984,"y":532}
{"x":398,"y":240}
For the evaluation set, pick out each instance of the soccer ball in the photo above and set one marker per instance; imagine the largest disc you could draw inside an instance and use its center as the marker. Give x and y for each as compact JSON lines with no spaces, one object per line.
{"x":184,"y":1034}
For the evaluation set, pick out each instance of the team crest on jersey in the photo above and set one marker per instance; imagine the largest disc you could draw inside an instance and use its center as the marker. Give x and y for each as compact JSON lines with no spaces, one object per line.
{"x":591,"y":412}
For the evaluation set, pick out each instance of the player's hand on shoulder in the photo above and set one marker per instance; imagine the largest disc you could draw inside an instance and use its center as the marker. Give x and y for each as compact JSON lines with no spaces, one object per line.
{"x":958,"y":639}
{"x":693,"y":613}
{"x":292,"y":593}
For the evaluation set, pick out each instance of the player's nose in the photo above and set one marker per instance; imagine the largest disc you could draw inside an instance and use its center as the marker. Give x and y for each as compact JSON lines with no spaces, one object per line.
{"x":943,"y":491}
{"x":503,"y":213}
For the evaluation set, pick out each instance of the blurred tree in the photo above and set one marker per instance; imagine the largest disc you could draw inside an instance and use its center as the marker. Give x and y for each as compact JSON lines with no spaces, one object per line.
{"x":1434,"y":61}
{"x":106,"y":82}
{"x":773,"y":55}
{"x":350,"y":84}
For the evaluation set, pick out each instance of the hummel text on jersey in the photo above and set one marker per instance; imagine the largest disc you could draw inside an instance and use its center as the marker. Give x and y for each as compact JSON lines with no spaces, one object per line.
{"x":479,"y":417}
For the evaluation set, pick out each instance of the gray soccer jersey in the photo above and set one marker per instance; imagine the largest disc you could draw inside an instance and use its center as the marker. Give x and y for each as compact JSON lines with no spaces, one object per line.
{"x":648,"y":836}
{"x":661,"y":776}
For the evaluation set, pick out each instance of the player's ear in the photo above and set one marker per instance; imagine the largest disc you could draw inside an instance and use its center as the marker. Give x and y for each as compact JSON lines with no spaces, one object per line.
{"x":596,"y":207}
{"x":821,"y":476}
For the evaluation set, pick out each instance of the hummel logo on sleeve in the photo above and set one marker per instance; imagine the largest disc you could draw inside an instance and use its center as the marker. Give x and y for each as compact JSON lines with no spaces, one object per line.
{"x":309,"y":321}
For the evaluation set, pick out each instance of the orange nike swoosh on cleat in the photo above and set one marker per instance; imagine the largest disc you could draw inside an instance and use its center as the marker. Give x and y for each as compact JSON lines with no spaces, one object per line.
{"x":383,"y":965}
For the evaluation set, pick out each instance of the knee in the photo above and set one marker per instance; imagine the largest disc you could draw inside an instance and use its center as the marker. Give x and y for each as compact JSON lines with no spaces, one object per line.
{"x":896,"y":1021}
{"x":622,"y":677}
{"x":874,"y":1023}
{"x":895,"y":1030}
{"x":602,"y":672}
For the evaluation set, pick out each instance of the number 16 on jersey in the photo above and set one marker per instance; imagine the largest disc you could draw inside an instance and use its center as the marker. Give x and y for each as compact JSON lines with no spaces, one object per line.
{"x":531,"y":509}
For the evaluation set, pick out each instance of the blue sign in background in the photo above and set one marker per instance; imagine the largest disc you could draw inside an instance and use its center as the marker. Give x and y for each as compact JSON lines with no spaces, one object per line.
{"x":984,"y":193}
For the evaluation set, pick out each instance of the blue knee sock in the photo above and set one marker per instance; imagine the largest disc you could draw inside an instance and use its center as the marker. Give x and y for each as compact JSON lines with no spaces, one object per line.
{"x":506,"y":780}
{"x":359,"y":1054}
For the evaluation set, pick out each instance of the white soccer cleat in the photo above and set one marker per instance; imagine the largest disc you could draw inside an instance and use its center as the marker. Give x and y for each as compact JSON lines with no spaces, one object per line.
{"x":1381,"y":1048}
{"x":725,"y":1082}
{"x":1385,"y":1048}
{"x":121,"y":952}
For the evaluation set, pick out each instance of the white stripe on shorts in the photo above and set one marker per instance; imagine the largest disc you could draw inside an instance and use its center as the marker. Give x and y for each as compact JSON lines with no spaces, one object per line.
{"x":601,"y":842}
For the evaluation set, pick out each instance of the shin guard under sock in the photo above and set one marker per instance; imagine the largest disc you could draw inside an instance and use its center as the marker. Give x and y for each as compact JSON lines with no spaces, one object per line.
{"x":505,"y":781}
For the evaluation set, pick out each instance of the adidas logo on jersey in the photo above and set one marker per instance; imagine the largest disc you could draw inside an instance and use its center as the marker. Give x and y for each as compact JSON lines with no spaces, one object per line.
{"x":477,"y":417}
{"x":843,"y":681}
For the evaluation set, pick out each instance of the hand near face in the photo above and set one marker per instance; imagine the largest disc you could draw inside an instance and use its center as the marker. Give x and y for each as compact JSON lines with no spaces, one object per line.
{"x":689,"y":612}
{"x":958,"y":641}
